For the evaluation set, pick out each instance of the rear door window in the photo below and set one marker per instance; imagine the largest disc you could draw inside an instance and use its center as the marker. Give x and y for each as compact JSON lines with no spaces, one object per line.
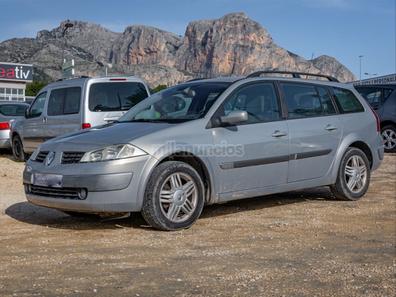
{"x":64,"y":101}
{"x":10,"y":110}
{"x":304,"y":100}
{"x":115,"y":96}
{"x":347,"y":101}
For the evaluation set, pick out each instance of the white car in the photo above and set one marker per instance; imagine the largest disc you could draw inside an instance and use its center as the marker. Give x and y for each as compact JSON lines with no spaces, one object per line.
{"x":75,"y":104}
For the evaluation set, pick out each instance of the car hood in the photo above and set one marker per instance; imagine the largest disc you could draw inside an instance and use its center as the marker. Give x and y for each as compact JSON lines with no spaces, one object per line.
{"x":109,"y":134}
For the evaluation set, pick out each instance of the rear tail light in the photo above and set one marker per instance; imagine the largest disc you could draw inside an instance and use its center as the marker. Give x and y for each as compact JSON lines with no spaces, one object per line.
{"x":4,"y":125}
{"x":377,"y":119}
{"x":86,"y":126}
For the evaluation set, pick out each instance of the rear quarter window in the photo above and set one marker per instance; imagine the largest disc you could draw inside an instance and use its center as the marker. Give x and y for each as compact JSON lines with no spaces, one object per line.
{"x":115,"y":96}
{"x":347,"y":101}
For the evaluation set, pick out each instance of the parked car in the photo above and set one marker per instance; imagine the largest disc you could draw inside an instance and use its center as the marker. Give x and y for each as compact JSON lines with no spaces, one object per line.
{"x":382,"y":99}
{"x":9,"y":112}
{"x":212,"y":141}
{"x":75,"y":104}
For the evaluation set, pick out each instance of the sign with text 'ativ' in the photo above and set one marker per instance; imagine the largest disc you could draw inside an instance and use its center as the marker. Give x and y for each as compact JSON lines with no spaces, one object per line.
{"x":16,"y":72}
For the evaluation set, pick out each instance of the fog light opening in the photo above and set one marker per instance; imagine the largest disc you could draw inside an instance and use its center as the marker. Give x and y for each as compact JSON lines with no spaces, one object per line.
{"x":82,"y":194}
{"x":27,"y":189}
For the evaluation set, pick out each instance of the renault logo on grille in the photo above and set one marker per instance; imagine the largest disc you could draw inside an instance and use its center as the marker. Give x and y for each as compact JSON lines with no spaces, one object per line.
{"x":50,"y":158}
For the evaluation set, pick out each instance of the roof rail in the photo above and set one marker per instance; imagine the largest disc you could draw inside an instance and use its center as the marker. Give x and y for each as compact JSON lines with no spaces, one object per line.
{"x":194,"y":79}
{"x":292,"y":73}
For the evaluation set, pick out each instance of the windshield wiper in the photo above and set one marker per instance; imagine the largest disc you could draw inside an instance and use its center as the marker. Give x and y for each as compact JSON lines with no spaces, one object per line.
{"x":170,"y":121}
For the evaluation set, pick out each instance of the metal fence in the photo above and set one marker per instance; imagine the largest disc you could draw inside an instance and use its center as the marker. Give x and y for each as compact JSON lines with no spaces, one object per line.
{"x":380,"y":80}
{"x":27,"y":99}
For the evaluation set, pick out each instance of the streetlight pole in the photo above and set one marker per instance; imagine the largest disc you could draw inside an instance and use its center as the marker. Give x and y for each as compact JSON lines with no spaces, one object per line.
{"x":360,"y":66}
{"x":66,"y":26}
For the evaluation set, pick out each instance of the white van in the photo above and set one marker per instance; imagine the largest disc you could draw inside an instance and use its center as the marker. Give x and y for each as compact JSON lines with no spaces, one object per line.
{"x":71,"y":105}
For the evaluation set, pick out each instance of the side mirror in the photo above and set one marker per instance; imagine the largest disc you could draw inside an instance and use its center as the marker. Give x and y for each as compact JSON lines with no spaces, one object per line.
{"x":234,"y":117}
{"x":27,"y":113}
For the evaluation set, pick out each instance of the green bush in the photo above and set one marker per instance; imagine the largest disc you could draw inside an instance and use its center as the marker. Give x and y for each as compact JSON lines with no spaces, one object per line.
{"x":158,"y":88}
{"x":33,"y":88}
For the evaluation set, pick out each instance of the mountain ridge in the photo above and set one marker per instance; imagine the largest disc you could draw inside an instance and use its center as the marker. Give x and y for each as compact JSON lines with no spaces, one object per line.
{"x":231,"y":45}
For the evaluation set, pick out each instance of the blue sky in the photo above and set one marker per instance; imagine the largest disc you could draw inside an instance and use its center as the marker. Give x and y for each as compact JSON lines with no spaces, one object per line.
{"x":344,"y":29}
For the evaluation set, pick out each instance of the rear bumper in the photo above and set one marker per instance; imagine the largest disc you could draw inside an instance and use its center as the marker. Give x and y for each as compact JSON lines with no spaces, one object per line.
{"x":5,"y":139}
{"x":378,"y":154}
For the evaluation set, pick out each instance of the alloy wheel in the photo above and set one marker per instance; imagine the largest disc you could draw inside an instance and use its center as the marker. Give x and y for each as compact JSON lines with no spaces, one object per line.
{"x":389,"y":137}
{"x":178,"y":197}
{"x":355,"y":174}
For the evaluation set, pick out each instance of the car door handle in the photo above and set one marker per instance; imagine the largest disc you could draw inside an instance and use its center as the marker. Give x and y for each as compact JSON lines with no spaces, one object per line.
{"x":278,"y":133}
{"x":330,"y":128}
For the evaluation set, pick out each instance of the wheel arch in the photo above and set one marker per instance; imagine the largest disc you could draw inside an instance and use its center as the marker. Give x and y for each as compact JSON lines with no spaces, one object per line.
{"x":387,"y":123}
{"x":351,"y":141}
{"x":198,"y":164}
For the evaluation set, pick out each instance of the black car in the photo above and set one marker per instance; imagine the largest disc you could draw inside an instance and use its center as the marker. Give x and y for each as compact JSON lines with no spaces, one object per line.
{"x":382,"y":99}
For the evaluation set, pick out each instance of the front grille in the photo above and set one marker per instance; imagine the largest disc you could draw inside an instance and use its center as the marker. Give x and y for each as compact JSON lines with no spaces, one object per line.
{"x":41,"y":156}
{"x":65,"y":193}
{"x":71,"y":157}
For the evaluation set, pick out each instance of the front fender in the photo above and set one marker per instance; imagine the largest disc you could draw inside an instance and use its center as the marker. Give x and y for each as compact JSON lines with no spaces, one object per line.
{"x":164,"y":152}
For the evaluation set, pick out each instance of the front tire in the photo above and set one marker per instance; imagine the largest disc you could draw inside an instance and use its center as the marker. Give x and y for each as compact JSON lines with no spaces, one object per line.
{"x":17,"y":149}
{"x":388,"y":134}
{"x":353,"y":176}
{"x":174,"y":196}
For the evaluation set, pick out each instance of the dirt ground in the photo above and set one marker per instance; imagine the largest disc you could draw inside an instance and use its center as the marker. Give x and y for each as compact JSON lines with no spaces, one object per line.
{"x":294,"y":244}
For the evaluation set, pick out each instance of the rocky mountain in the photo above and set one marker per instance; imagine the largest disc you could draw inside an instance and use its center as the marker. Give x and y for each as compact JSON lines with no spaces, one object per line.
{"x":231,"y":45}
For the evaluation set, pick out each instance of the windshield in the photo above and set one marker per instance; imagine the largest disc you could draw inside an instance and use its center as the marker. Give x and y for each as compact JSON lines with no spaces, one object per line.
{"x":115,"y":96}
{"x":184,"y":102}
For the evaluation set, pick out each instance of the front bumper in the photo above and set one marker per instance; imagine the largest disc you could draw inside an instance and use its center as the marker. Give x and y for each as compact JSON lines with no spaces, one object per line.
{"x":109,"y":186}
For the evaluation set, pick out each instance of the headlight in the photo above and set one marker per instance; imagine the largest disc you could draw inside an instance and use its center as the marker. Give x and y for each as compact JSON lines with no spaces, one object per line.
{"x":114,"y":152}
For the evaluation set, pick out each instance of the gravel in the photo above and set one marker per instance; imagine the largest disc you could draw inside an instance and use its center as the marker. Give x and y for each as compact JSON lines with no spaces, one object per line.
{"x":295,"y":244}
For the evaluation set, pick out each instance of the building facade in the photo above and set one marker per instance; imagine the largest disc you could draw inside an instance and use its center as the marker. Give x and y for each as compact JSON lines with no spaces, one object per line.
{"x":13,"y":80}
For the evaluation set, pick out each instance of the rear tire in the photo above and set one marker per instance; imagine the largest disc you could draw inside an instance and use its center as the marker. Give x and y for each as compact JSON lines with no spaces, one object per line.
{"x":174,"y":196}
{"x":353,"y":176}
{"x":388,"y":134}
{"x":17,"y":149}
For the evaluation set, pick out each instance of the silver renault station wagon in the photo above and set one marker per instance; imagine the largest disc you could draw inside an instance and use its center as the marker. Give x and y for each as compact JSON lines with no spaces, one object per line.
{"x":70,"y":105}
{"x":210,"y":141}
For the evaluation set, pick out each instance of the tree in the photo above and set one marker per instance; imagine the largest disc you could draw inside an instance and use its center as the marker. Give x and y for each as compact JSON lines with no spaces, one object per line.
{"x":33,"y":88}
{"x":158,"y":88}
